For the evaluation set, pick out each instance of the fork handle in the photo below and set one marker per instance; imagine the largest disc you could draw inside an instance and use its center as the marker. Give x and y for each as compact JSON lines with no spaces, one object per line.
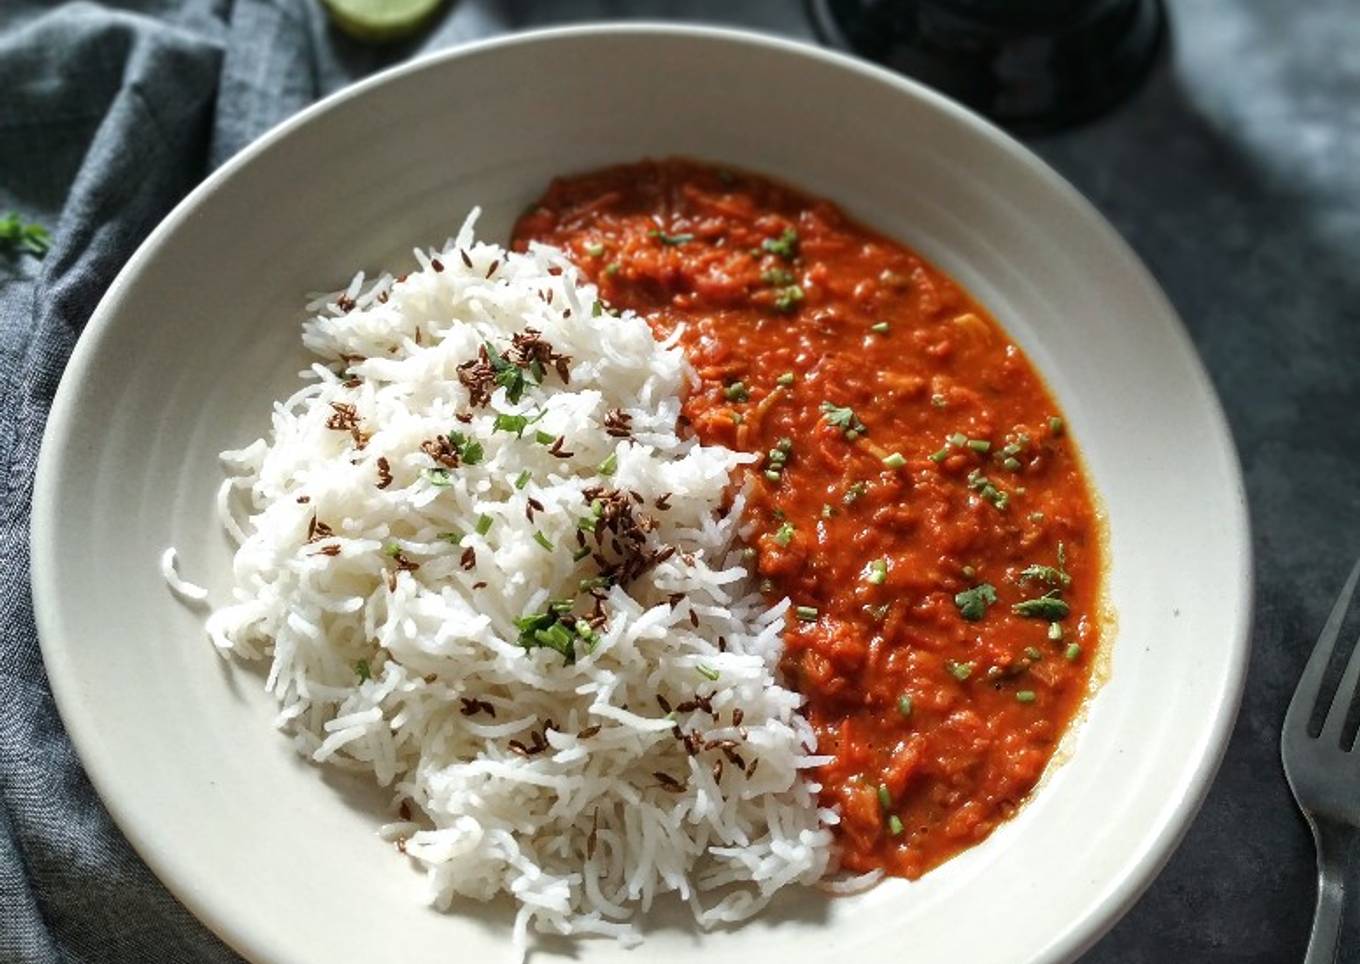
{"x":1338,"y":859}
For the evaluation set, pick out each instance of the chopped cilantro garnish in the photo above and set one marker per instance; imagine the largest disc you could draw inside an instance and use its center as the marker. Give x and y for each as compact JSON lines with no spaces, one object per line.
{"x":973,"y":602}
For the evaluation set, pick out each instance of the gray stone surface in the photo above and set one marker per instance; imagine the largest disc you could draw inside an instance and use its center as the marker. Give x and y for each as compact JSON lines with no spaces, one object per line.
{"x":1235,"y":174}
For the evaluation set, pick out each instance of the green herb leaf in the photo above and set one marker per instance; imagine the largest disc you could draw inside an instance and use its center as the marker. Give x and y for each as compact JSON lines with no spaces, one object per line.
{"x":23,"y":237}
{"x":438,"y":477}
{"x":844,"y":418}
{"x":784,"y":534}
{"x":511,"y":423}
{"x":973,"y":602}
{"x":471,"y":452}
{"x":1045,"y":607}
{"x":1045,"y":574}
{"x":362,"y":671}
{"x":778,"y":277}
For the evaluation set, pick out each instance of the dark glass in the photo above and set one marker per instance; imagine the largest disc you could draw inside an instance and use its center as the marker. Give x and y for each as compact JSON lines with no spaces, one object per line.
{"x":1031,"y":65}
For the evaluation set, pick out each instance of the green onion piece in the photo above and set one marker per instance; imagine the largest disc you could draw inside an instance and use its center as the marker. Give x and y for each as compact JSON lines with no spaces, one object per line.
{"x":958,"y":440}
{"x":543,"y":540}
{"x":610,"y":464}
{"x":968,"y":572}
{"x":784,"y":534}
{"x":785,"y":379}
{"x":979,"y":444}
{"x":904,"y":705}
{"x":895,"y":825}
{"x":612,"y":268}
{"x":884,"y":797}
{"x":807,"y":614}
{"x":594,"y":249}
{"x":483,"y":524}
{"x":1026,"y":696}
{"x":1011,"y":464}
{"x":1032,"y":653}
{"x":854,"y":491}
{"x":788,"y":298}
{"x":960,"y":671}
{"x":1072,"y":653}
{"x":784,"y":445}
{"x":1055,"y":631}
{"x":777,"y":277}
{"x":937,"y":400}
{"x":772,"y":475}
{"x":939,"y":456}
{"x":879,"y":328}
{"x":878,"y":572}
{"x":827,"y":510}
{"x":786,"y":245}
{"x":708,"y":672}
{"x":1055,"y":426}
{"x":392,"y":549}
{"x":523,"y":479}
{"x":736,"y":392}
{"x":580,"y":554}
{"x":671,"y":239}
{"x":894,"y":461}
{"x":451,"y":537}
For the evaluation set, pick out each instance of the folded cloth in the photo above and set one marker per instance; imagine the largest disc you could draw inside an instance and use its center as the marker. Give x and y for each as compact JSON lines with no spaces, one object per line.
{"x":108,"y":117}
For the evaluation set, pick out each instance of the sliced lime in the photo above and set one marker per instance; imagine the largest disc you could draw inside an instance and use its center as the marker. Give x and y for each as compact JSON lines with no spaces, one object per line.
{"x":377,"y":21}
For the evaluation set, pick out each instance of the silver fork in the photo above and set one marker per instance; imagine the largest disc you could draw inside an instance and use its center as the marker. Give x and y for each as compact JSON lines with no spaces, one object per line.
{"x":1325,"y":778}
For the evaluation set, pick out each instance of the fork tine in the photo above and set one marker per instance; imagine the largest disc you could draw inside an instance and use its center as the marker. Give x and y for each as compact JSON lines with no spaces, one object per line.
{"x":1310,"y":683}
{"x":1342,"y":700}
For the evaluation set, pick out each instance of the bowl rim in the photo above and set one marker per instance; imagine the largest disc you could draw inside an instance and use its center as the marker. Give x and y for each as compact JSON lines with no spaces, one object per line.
{"x":80,"y":724}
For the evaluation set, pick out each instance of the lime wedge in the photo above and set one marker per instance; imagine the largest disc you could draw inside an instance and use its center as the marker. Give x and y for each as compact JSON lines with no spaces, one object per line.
{"x":378,"y":21}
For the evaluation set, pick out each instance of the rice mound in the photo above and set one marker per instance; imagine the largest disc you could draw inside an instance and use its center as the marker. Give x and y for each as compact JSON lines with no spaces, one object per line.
{"x":580,"y":731}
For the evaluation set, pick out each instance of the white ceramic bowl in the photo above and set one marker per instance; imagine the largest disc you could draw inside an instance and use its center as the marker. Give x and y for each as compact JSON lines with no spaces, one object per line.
{"x":198,"y":334}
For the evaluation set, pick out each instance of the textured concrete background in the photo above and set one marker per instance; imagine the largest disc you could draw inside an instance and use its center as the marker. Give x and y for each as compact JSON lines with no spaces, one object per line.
{"x":1235,"y":174}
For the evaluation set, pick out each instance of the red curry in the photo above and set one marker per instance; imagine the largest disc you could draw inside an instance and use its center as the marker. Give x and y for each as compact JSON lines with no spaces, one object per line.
{"x":918,"y":498}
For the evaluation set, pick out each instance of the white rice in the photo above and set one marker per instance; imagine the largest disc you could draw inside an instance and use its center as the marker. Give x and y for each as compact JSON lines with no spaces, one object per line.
{"x":371,"y":662}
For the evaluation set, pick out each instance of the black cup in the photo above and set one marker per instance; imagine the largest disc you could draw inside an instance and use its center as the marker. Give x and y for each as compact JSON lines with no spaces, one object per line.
{"x":1030,"y":65}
